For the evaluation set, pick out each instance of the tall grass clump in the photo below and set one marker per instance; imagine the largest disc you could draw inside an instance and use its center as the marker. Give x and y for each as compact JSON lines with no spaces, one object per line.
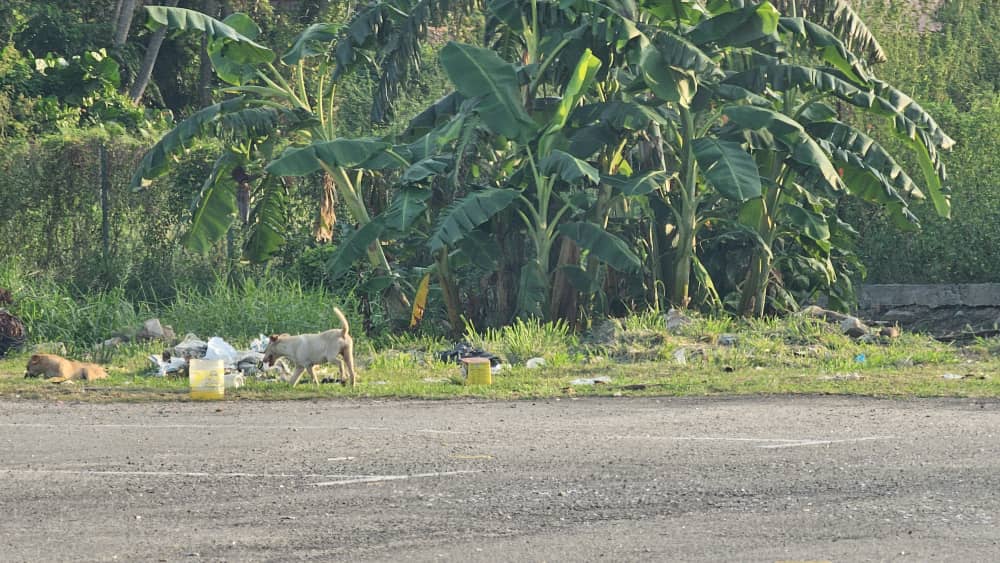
{"x":525,"y":339}
{"x":53,"y":312}
{"x":240,"y":311}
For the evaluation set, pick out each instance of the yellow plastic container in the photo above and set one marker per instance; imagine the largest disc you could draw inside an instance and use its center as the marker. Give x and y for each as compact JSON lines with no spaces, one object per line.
{"x":207,"y":378}
{"x":477,"y":371}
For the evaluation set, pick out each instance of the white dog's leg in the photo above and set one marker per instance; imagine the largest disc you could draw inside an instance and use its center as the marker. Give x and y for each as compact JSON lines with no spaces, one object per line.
{"x":314,"y":377}
{"x":296,"y":375}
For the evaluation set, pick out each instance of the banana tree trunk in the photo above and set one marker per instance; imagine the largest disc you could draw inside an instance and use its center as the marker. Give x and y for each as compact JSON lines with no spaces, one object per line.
{"x":449,"y":292}
{"x":124,"y":11}
{"x":145,"y":73}
{"x":687,"y":216}
{"x":565,"y":298}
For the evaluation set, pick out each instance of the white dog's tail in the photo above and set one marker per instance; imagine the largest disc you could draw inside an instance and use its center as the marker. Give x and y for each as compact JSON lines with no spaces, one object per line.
{"x":343,"y":320}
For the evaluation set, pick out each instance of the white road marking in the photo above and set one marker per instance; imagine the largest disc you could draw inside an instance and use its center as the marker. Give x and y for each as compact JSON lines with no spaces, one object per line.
{"x":211,"y":425}
{"x":775,"y":442}
{"x":378,"y":478}
{"x":822,"y":442}
{"x":82,"y":472}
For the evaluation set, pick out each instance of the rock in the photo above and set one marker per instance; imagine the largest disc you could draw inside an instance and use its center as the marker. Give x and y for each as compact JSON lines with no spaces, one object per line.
{"x":727,"y":340}
{"x":680,"y":357}
{"x":57,"y":348}
{"x":607,"y":332}
{"x":821,"y":313}
{"x":535,"y":363}
{"x":676,"y":320}
{"x":853,"y":327}
{"x":113,"y":342}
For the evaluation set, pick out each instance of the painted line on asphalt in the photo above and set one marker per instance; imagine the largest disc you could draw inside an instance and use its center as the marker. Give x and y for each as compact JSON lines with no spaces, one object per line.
{"x":379,"y":478}
{"x":211,"y":426}
{"x":84,"y":472}
{"x":769,"y":443}
{"x":824,"y":442}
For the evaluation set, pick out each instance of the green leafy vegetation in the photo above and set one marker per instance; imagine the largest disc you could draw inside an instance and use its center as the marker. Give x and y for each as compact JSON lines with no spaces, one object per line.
{"x":240,"y":167}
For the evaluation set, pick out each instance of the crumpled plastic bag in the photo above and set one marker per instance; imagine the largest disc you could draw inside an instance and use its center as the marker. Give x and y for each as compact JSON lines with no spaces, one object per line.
{"x":173,"y":365}
{"x":219,"y":349}
{"x":191,"y":347}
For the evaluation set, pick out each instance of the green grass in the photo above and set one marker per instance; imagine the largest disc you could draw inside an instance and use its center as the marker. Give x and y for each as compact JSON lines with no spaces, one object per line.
{"x":789,"y":356}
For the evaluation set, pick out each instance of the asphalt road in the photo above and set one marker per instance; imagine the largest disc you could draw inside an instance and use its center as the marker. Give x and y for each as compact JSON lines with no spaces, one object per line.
{"x":714,"y":479}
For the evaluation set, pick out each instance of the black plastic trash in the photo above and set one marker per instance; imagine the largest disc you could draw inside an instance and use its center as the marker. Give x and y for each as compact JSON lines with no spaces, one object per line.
{"x":464,"y":350}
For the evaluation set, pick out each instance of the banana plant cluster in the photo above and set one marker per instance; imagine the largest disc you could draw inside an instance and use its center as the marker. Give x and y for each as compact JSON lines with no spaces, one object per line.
{"x":593,"y":141}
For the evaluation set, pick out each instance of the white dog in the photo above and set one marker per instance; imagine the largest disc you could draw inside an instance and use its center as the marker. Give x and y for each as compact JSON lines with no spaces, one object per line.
{"x":308,"y":350}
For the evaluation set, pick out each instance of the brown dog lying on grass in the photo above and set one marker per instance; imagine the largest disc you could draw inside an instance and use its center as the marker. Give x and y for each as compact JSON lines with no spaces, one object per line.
{"x":59,"y":369}
{"x":308,"y":350}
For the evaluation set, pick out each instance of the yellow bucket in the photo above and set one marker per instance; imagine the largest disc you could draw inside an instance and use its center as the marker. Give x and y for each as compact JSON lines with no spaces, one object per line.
{"x":477,"y":371}
{"x":207,"y":378}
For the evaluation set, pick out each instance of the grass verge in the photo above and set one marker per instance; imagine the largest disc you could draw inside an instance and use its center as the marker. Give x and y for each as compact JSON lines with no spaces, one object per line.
{"x":638,"y":356}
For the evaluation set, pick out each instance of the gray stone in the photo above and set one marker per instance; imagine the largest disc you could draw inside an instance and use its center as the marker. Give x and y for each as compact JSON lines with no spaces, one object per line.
{"x":853,"y":327}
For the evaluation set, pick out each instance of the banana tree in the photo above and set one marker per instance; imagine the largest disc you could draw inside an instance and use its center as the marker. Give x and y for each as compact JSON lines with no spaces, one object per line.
{"x":809,"y":160}
{"x":269,"y":107}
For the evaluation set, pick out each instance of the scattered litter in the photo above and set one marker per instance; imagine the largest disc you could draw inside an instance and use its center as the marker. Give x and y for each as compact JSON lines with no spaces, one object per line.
{"x":680,"y":356}
{"x":167,"y":364}
{"x":259,"y":344}
{"x":380,"y":382}
{"x":464,"y":350}
{"x":603,"y":380}
{"x":728,"y":369}
{"x":535,"y":363}
{"x":234,"y":380}
{"x":951,"y":376}
{"x":842,"y":377}
{"x":727,"y":340}
{"x":860,"y":358}
{"x":436,"y":380}
{"x":499,"y":368}
{"x":219,"y":349}
{"x":191,"y":347}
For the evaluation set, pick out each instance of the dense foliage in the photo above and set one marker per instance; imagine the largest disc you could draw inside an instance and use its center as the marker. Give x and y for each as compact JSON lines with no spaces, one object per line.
{"x":594,"y":158}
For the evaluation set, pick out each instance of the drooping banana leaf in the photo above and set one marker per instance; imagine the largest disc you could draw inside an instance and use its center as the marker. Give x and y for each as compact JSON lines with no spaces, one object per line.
{"x":668,"y":83}
{"x":354,"y":247}
{"x":156,"y":159}
{"x":830,"y":49}
{"x":316,"y":39}
{"x":844,"y":137}
{"x":738,"y":27}
{"x":728,"y":167}
{"x":639,"y":184}
{"x":235,"y":70}
{"x":605,"y":246}
{"x":239,"y":48}
{"x":215,"y":208}
{"x":268,"y":222}
{"x":406,"y":206}
{"x":838,"y":17}
{"x":810,"y":223}
{"x":345,"y":153}
{"x":478,"y":72}
{"x":568,"y":168}
{"x":803,"y":149}
{"x":468,"y":213}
